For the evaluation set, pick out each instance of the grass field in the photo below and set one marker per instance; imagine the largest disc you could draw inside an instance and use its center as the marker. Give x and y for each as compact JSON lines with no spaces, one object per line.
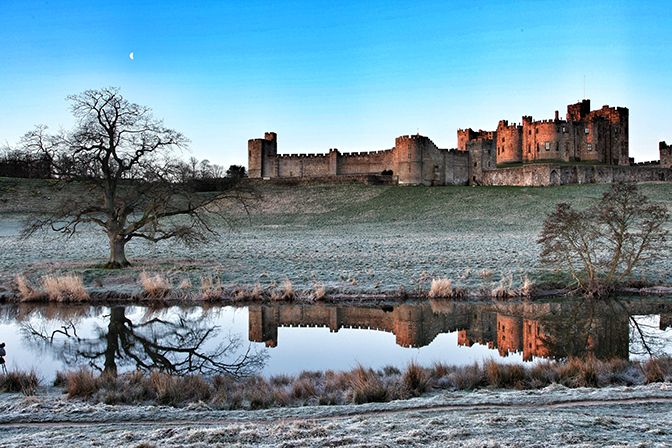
{"x":351,"y":238}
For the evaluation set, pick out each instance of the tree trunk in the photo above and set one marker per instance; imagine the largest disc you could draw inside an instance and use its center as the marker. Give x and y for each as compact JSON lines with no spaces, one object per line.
{"x":117,"y":252}
{"x":115,"y":331}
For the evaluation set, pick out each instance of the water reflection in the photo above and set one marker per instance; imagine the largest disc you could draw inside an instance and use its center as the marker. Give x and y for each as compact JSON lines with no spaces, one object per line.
{"x":549,"y":330}
{"x":178,"y":342}
{"x":282,"y":338}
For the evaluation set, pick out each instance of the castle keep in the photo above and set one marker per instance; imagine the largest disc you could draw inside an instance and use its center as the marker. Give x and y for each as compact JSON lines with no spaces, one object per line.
{"x":544,"y":152}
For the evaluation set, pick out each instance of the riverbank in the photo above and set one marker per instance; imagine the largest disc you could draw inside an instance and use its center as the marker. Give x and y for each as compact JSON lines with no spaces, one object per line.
{"x":553,"y":416}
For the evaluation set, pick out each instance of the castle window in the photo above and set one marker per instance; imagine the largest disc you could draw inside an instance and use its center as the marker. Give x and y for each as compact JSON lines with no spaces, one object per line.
{"x":536,"y":131}
{"x":503,"y":139}
{"x":586,"y":131}
{"x":548,"y":146}
{"x":529,"y":132}
{"x":590,"y":147}
{"x":564,"y":129}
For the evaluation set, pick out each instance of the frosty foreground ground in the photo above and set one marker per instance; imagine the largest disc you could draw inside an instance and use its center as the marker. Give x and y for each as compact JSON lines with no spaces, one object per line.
{"x":555,"y":416}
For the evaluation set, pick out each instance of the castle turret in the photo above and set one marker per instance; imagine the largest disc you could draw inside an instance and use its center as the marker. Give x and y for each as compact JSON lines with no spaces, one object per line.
{"x":261,"y":154}
{"x":665,"y":155}
{"x":408,"y":158}
{"x":578,"y":111}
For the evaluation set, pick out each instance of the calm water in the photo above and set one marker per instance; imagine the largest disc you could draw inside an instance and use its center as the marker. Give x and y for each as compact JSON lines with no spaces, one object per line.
{"x":277,"y":339}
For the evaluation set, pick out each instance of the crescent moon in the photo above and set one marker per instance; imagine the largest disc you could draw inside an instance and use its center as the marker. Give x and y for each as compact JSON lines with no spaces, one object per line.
{"x":131,"y":56}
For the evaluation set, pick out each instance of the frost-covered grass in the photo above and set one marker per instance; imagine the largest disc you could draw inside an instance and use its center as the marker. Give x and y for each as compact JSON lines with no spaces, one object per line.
{"x":359,"y":385}
{"x":347,"y":238}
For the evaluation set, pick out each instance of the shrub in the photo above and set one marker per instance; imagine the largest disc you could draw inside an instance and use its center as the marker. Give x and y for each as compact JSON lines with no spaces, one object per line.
{"x":603,"y":245}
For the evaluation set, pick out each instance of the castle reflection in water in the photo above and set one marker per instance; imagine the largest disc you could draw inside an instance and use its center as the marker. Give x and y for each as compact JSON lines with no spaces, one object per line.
{"x":553,"y":330}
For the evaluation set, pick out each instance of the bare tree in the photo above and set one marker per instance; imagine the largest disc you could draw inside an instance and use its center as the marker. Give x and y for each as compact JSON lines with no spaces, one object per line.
{"x":132,"y":187}
{"x":605,"y":243}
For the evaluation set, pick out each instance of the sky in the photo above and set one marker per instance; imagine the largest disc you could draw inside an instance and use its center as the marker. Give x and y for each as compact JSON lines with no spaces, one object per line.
{"x":351,"y":75}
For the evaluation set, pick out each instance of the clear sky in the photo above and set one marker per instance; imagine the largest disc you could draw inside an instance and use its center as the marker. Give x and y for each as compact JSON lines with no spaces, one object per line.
{"x":345,"y":74}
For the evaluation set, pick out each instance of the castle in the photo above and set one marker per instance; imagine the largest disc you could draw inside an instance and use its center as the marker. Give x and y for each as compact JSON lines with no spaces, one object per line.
{"x":587,"y":146}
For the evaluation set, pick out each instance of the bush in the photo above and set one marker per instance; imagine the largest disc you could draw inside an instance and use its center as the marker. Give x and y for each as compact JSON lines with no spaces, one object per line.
{"x":605,"y":243}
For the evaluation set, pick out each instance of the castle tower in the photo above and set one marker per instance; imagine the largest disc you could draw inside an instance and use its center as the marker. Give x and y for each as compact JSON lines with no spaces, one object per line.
{"x":665,"y":155}
{"x":261,"y":154}
{"x":509,"y":144}
{"x":408,"y":159}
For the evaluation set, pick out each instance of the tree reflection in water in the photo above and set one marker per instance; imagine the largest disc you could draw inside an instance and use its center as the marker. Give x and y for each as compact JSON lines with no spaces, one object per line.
{"x":175,"y":342}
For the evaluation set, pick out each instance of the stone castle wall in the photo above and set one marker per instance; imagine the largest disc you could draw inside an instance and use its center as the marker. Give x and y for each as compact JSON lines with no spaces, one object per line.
{"x":414,"y":160}
{"x":552,"y":174}
{"x":599,"y":137}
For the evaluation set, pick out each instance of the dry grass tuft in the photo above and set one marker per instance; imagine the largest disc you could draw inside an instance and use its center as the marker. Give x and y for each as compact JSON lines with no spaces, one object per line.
{"x":211,"y":289}
{"x":15,"y":381}
{"x":319,"y":292}
{"x":155,"y":286}
{"x":65,"y":288}
{"x":286,"y":292}
{"x":255,"y":294}
{"x":657,"y":370}
{"x":528,"y":287}
{"x":367,"y":386}
{"x":505,"y":375}
{"x":415,"y":380}
{"x":441,"y":288}
{"x":81,"y":384}
{"x":26,"y":291}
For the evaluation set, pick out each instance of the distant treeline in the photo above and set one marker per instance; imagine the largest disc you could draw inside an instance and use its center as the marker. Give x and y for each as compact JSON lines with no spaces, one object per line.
{"x":23,"y":164}
{"x":202,"y":175}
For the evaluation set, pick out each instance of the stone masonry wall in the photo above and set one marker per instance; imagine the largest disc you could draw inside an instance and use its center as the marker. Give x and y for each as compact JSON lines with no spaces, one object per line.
{"x":550,"y":174}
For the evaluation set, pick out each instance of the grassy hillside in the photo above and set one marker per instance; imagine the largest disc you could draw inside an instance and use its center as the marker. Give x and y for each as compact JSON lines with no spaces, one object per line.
{"x":349,"y":237}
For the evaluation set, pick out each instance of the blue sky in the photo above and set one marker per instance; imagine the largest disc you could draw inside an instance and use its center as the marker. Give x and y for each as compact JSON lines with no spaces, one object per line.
{"x":349,"y":75}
